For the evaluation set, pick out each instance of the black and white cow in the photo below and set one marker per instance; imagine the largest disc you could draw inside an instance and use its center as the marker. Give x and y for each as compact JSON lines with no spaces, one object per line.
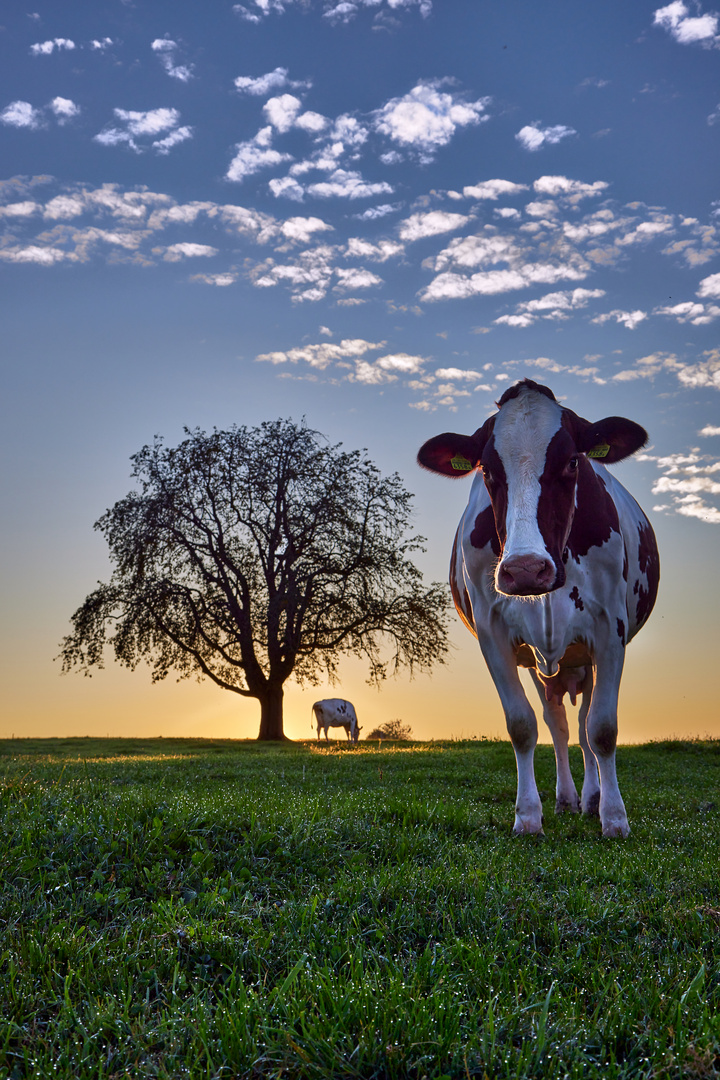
{"x":554,"y":568}
{"x":335,"y":712}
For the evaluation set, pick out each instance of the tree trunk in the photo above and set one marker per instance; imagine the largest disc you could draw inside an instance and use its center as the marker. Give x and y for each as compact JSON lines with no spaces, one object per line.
{"x":271,"y":714}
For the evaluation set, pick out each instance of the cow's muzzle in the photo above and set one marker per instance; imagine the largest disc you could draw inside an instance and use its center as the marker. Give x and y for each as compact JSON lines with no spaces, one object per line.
{"x":526,"y":575}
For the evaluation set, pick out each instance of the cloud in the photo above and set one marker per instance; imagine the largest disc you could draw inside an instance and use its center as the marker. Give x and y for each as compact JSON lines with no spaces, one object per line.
{"x":709,"y":430}
{"x":375,"y":212}
{"x":176,"y":252}
{"x":64,"y":109}
{"x":320,"y":356}
{"x":468,"y":265}
{"x":166,"y":50}
{"x":254,"y":155}
{"x":628,"y":319}
{"x":276,"y":79}
{"x":684,"y":28}
{"x":553,"y":306}
{"x":348,"y":185}
{"x":493,"y":189}
{"x":21,"y":114}
{"x":432,"y":223}
{"x":145,"y":125}
{"x":427,"y":117}
{"x":300,"y":230}
{"x":531,"y":137}
{"x":221,"y":280}
{"x":336,"y":11}
{"x":101,"y":45}
{"x":710,"y":287}
{"x":692,"y":312}
{"x":572,"y":191}
{"x":45,"y":48}
{"x":281,"y":111}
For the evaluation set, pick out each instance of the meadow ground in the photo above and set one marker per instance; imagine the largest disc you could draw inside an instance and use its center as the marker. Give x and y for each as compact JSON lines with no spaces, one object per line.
{"x":173,"y":908}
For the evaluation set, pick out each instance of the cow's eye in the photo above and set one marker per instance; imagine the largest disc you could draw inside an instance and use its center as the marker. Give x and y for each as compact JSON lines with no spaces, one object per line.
{"x":573,"y":464}
{"x":486,"y":473}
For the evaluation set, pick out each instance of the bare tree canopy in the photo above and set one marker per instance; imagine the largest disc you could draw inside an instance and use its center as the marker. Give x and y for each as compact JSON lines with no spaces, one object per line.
{"x":251,"y":555}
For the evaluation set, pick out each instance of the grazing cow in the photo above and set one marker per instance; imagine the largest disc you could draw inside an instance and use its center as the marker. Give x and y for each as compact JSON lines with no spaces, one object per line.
{"x":554,"y":568}
{"x":335,"y":712}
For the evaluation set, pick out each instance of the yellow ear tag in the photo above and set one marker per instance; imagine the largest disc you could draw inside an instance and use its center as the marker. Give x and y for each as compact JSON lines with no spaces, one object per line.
{"x":600,"y":451}
{"x":461,"y":464}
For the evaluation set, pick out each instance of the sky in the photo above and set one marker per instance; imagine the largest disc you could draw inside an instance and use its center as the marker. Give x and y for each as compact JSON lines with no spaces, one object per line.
{"x":377,"y":215}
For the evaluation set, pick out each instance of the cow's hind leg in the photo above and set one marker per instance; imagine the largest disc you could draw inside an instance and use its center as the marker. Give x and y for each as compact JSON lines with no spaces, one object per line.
{"x":566,"y":796}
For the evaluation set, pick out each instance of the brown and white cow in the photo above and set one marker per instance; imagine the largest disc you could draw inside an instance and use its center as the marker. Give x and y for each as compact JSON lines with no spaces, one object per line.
{"x":336,"y":712}
{"x":554,"y":568}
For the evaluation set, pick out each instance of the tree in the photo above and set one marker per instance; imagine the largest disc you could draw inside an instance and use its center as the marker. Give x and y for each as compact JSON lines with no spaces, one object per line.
{"x":391,"y":729}
{"x":251,"y":555}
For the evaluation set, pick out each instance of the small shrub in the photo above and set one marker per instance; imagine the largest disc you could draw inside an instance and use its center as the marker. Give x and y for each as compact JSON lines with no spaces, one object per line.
{"x":392,"y":729}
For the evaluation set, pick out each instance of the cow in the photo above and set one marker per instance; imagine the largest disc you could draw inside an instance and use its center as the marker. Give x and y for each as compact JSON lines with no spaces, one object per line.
{"x":554,"y":568}
{"x":335,"y":712}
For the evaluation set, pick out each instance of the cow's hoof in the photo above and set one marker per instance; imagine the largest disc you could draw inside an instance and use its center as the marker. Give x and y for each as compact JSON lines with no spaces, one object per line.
{"x":591,"y":808}
{"x":616,"y":830}
{"x":572,"y":805}
{"x":528,"y":827}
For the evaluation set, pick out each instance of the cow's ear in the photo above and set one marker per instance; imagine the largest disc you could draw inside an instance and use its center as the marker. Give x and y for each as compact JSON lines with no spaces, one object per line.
{"x":455,"y":455}
{"x":611,"y":439}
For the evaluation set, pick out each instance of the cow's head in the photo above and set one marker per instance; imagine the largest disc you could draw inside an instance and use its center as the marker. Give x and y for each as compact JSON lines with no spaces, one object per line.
{"x":531,"y":454}
{"x":355,"y":733}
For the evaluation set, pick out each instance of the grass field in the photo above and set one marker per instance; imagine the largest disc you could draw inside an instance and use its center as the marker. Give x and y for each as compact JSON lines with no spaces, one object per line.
{"x":179,"y":908}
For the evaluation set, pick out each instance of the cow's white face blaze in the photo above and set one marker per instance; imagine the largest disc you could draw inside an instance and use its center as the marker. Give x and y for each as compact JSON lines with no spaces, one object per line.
{"x":514,"y":464}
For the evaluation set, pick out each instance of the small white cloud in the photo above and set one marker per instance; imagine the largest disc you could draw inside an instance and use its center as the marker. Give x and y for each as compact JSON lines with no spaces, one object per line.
{"x":710,"y":287}
{"x":64,"y":109}
{"x":629,"y":319}
{"x":45,"y":48}
{"x":166,"y":50}
{"x":427,"y":117}
{"x":21,"y":114}
{"x":684,"y":28}
{"x":493,"y":189}
{"x":221,"y":280}
{"x":254,"y":155}
{"x":692,"y":312}
{"x":286,"y":187}
{"x":281,"y":111}
{"x":102,"y":44}
{"x":571,"y":190}
{"x":709,"y":430}
{"x":264,"y":84}
{"x":300,"y":230}
{"x":532,"y":137}
{"x":433,"y":223}
{"x":376,"y":212}
{"x":348,"y":185}
{"x":176,"y":252}
{"x":145,"y":125}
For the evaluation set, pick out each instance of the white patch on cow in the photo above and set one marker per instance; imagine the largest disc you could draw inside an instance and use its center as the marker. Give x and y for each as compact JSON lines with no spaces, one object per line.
{"x":523,"y":430}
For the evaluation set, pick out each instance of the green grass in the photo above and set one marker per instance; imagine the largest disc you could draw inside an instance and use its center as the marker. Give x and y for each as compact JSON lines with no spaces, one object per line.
{"x":179,"y":908}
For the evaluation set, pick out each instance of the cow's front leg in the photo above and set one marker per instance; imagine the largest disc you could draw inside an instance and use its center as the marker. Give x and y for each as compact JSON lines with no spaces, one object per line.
{"x":566,"y":796}
{"x":522,"y":729}
{"x":602,"y":735}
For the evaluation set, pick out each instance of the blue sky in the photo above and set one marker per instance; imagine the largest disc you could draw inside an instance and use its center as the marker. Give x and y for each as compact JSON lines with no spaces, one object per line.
{"x":373,"y":214}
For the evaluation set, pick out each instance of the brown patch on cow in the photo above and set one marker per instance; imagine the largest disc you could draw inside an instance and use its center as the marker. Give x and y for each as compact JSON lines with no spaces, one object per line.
{"x":596,"y":516}
{"x":485,"y":531}
{"x":577,"y":598}
{"x":459,"y":592}
{"x":522,"y":733}
{"x":525,"y":384}
{"x":649,"y":563}
{"x":604,"y":739}
{"x":625,"y":564}
{"x":621,"y":630}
